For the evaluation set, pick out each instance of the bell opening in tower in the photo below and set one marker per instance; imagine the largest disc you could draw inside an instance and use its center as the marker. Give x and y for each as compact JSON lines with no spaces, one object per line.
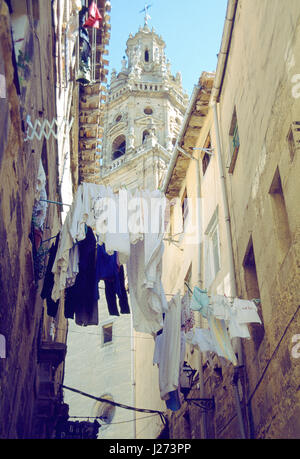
{"x":118,"y":147}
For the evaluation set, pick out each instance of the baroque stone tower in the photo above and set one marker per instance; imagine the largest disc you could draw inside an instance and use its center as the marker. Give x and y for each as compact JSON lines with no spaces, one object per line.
{"x":143,"y":115}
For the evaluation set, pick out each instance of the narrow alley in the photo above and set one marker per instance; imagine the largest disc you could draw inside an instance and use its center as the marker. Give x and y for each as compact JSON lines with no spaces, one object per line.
{"x":149,"y":237}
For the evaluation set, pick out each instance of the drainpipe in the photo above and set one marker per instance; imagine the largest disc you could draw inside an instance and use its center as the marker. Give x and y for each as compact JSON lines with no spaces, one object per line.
{"x":215,"y":95}
{"x":133,"y":383}
{"x":199,"y":233}
{"x":230,"y":260}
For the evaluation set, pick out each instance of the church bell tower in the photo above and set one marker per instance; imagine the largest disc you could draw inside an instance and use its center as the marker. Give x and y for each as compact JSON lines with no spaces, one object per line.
{"x":143,"y":114}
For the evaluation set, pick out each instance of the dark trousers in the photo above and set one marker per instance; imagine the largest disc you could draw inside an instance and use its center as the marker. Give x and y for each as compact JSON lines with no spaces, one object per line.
{"x":112,"y":290}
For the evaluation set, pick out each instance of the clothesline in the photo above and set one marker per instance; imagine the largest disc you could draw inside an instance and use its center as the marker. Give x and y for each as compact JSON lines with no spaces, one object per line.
{"x":226,"y":296}
{"x":99,"y":334}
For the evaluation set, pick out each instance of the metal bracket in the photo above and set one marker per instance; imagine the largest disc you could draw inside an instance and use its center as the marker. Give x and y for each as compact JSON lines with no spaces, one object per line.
{"x":209,"y":151}
{"x":206,"y":404}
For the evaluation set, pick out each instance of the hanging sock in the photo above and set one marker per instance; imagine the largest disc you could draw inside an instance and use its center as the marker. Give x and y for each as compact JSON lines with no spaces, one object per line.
{"x":94,"y":17}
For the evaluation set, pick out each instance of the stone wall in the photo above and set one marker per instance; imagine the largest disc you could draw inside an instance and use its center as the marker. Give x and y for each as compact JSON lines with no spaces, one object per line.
{"x":262,"y":190}
{"x":30,"y":90}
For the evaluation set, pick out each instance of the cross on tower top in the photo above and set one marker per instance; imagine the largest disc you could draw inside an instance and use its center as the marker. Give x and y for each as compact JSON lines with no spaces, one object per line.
{"x":145,"y":10}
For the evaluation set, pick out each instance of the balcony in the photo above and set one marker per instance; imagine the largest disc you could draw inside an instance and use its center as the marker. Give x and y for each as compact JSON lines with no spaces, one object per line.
{"x":52,"y":352}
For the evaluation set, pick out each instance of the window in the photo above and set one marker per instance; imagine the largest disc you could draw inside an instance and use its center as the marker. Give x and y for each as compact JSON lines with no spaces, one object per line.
{"x":184,"y":210}
{"x":295,"y":127}
{"x":148,"y":111}
{"x":207,"y":156}
{"x":107,"y":333}
{"x":188,"y":280}
{"x":146,"y":55}
{"x":280,"y":215}
{"x":145,"y":135}
{"x":212,"y":250}
{"x":251,"y":282}
{"x":234,"y":139}
{"x":118,"y":147}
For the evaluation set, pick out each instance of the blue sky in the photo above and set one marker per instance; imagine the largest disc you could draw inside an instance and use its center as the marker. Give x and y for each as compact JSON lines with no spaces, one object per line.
{"x":191,"y":29}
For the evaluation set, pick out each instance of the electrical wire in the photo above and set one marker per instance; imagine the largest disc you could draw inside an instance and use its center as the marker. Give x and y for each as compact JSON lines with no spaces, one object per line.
{"x":120,"y":405}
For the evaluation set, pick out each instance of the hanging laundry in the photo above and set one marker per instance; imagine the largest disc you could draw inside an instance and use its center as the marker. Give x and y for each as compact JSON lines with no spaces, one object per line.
{"x":97,"y":207}
{"x":245,"y":311}
{"x":61,"y":263}
{"x":187,"y":315}
{"x":221,"y":338}
{"x":145,"y":318}
{"x":73,"y":266}
{"x":144,"y":267}
{"x":170,"y":356}
{"x":79,"y":216}
{"x":116,"y":288}
{"x":236,"y":329}
{"x":202,"y":339}
{"x":40,"y":181}
{"x":200,"y":301}
{"x":109,"y":270}
{"x":52,"y":306}
{"x":157,"y":349}
{"x":117,"y":236}
{"x":94,"y":17}
{"x":154,"y":206}
{"x":39,"y":211}
{"x":81,"y":299}
{"x":83,"y":213}
{"x":136,"y":222}
{"x":173,"y":402}
{"x":221,"y":306}
{"x":85,"y":50}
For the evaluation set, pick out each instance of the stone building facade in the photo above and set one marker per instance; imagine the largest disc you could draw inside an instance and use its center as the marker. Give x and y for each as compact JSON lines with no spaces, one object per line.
{"x":259,"y":138}
{"x":40,"y":88}
{"x":28,"y":380}
{"x":251,"y":177}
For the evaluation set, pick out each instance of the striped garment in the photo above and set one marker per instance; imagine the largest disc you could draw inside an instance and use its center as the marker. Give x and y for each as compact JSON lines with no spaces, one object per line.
{"x":221,"y":338}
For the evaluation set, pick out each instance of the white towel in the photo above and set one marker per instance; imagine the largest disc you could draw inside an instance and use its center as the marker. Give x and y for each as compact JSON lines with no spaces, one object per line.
{"x":246,"y":311}
{"x":145,"y":319}
{"x":202,"y":339}
{"x":171,"y":349}
{"x":114,"y":239}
